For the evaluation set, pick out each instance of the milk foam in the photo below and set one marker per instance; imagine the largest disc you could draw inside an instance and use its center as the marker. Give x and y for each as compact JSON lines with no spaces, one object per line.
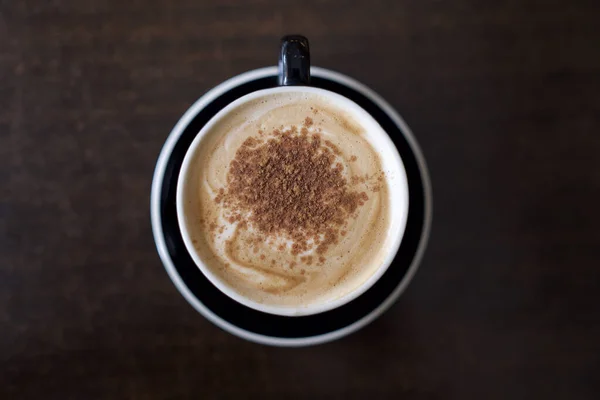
{"x":265,"y":271}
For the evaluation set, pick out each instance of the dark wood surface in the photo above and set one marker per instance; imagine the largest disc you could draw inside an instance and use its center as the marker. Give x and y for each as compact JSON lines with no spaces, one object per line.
{"x":504,"y":98}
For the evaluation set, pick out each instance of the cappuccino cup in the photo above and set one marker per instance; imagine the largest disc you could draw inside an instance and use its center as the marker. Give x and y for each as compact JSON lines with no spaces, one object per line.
{"x":292,"y":200}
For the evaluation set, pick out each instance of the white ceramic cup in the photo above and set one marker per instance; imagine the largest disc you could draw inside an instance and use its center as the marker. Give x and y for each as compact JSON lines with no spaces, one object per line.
{"x":391,"y":164}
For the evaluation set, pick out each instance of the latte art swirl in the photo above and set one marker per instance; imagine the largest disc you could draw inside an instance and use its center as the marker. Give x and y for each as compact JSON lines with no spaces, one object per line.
{"x":287,"y":201}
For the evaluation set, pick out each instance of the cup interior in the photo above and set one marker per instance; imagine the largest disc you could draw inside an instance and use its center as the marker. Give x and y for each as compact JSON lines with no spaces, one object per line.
{"x":395,"y":176}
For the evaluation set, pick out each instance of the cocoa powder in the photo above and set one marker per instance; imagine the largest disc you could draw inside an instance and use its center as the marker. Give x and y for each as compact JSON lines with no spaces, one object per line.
{"x":290,"y":184}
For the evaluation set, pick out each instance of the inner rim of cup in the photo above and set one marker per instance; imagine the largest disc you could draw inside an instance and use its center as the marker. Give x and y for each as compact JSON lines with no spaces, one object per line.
{"x":399,"y":218}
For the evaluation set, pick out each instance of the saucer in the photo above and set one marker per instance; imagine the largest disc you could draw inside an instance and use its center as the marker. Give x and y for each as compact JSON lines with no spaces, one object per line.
{"x":258,"y":326}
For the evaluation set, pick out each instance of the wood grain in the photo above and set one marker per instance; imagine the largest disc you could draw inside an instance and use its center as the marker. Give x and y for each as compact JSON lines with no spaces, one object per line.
{"x":502,"y":96}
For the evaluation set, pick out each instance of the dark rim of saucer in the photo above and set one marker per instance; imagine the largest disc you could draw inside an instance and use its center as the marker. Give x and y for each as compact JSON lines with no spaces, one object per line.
{"x":277,"y":326}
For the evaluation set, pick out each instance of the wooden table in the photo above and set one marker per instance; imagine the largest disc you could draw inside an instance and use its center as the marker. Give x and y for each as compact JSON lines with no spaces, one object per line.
{"x":504,"y":98}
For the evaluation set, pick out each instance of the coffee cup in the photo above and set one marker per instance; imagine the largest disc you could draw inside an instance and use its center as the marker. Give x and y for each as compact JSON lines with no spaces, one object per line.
{"x":265,"y":276}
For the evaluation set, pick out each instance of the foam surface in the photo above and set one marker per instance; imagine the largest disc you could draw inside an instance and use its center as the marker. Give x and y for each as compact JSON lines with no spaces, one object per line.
{"x":266,"y":272}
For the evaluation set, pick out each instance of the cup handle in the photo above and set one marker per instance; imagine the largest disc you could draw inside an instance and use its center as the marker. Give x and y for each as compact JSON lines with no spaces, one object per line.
{"x":294,"y":61}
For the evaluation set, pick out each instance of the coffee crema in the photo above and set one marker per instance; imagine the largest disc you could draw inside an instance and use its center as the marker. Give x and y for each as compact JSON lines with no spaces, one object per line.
{"x":287,"y":201}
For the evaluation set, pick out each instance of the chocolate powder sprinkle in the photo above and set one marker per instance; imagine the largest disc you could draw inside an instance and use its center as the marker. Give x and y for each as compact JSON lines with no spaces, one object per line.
{"x":291,"y":185}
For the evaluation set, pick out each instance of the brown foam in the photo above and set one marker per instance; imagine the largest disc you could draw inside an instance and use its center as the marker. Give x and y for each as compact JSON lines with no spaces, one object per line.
{"x":267,"y":271}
